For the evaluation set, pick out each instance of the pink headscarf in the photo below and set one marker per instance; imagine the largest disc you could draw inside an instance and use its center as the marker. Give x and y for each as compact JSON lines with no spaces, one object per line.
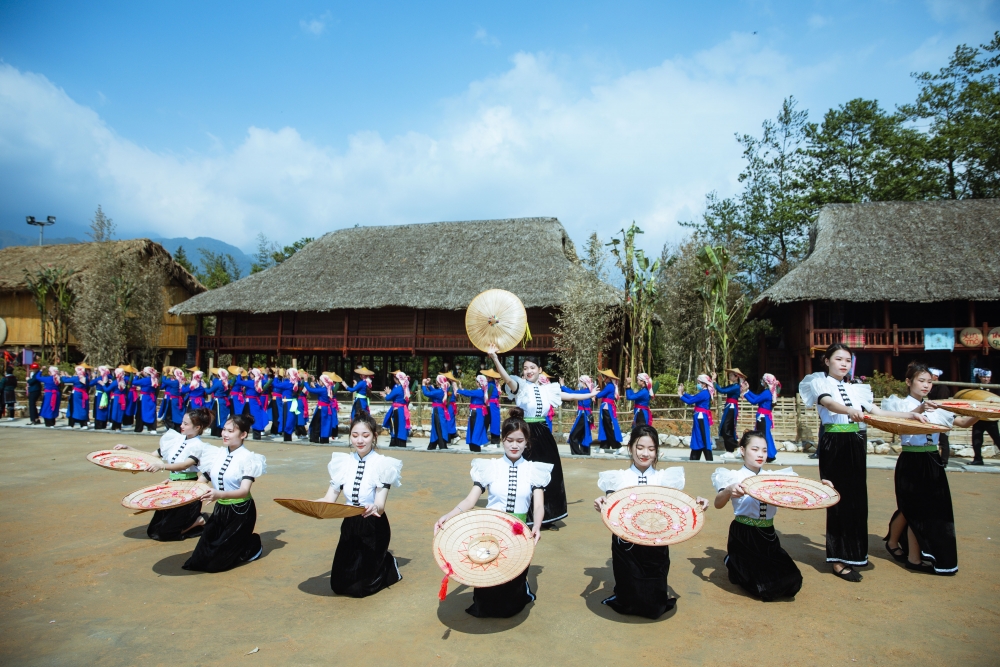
{"x":404,"y":382}
{"x":707,"y":381}
{"x":586,"y":382}
{"x":120,"y":376}
{"x":196,"y":379}
{"x":293,"y":375}
{"x":648,"y":381}
{"x":443,"y":382}
{"x":104,"y":371}
{"x":771,"y":383}
{"x":224,"y":376}
{"x":81,"y":373}
{"x":179,"y":375}
{"x":542,"y":379}
{"x":54,"y":373}
{"x":483,"y":383}
{"x":258,"y":377}
{"x":153,"y":374}
{"x":328,"y":383}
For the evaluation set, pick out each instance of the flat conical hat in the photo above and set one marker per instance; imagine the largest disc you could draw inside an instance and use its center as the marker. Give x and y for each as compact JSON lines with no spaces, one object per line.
{"x":985,"y":410}
{"x":319,"y":510}
{"x":653,"y":516}
{"x":796,"y":493}
{"x":166,"y":496}
{"x":124,"y":460}
{"x":903,"y":426}
{"x":496,"y":317}
{"x":483,"y":548}
{"x":977,"y":395}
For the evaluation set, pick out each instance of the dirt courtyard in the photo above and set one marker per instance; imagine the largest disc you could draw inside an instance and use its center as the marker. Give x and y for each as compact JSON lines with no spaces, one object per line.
{"x":81,"y":583}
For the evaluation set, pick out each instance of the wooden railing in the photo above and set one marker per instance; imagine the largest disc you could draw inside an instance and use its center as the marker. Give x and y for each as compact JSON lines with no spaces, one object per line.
{"x":414,"y":344}
{"x":877,"y":340}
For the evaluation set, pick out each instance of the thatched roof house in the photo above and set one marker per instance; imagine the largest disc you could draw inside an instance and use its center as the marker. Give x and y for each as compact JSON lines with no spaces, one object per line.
{"x":17,"y":307}
{"x":388,"y":290}
{"x":878,"y":275}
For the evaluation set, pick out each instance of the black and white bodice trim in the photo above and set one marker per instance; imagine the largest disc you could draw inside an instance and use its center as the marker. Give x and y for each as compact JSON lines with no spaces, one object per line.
{"x":510,"y":485}
{"x":360,"y":478}
{"x":226,"y":469}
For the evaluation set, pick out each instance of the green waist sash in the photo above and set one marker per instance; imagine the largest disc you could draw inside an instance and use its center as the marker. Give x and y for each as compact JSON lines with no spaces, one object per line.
{"x":522,"y":517}
{"x":233,"y":501}
{"x":920,"y":448}
{"x":534,"y":420}
{"x":759,"y":523}
{"x":851,"y":427}
{"x":177,"y":476}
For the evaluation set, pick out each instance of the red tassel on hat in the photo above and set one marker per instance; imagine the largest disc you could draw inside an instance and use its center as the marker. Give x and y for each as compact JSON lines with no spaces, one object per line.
{"x":443,"y":593}
{"x":516,"y":527}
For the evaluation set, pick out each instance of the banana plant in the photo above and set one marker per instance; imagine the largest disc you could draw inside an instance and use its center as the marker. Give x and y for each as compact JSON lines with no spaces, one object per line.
{"x":722,"y":320}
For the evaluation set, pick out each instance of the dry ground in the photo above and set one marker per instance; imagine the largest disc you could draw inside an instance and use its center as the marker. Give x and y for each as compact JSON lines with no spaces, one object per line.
{"x":81,"y":584}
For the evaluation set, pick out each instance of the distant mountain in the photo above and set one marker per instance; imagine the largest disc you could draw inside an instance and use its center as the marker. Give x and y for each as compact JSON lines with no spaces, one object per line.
{"x":9,"y":238}
{"x":192,"y":246}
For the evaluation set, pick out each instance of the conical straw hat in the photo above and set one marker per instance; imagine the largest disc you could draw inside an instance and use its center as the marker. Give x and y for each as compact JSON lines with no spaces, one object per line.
{"x":364,"y":371}
{"x":496,"y":317}
{"x":319,"y":510}
{"x":483,"y":547}
{"x":904,"y":426}
{"x":797,"y":493}
{"x":123,"y":460}
{"x":985,"y":410}
{"x":653,"y":516}
{"x":166,"y":496}
{"x":490,"y":373}
{"x":333,"y":376}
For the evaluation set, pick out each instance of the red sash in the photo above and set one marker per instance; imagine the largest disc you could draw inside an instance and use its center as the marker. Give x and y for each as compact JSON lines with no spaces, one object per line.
{"x":732,"y":401}
{"x":614,"y":408}
{"x":85,"y":392}
{"x":583,"y":409}
{"x":495,"y":401}
{"x":704,"y":411}
{"x":766,"y":413}
{"x":54,"y":393}
{"x":406,"y":412}
{"x":649,"y":414}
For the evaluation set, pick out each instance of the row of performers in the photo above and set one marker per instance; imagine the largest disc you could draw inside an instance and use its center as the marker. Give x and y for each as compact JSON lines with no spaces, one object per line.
{"x":527,"y":481}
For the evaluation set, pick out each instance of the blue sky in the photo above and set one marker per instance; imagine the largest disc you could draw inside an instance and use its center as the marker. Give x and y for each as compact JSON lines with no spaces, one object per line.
{"x":226,"y":119}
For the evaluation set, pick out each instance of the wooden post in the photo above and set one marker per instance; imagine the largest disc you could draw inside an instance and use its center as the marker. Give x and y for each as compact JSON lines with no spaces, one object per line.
{"x":895,"y":337}
{"x":986,"y":339}
{"x":347,"y":316}
{"x":413,"y":346}
{"x":197,"y":342}
{"x":281,"y":321}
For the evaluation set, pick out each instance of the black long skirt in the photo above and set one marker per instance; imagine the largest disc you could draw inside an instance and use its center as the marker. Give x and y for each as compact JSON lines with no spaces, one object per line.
{"x":577,"y":434}
{"x":728,"y":430}
{"x":640,"y":579}
{"x":502,"y":601}
{"x":543,"y":449}
{"x":924,"y":498}
{"x":166,"y":525}
{"x":757,"y":562}
{"x":362,"y":565}
{"x":228,"y":539}
{"x":842,"y":460}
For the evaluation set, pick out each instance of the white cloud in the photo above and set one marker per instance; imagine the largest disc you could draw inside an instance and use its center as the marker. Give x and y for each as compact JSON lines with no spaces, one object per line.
{"x":485,"y":38}
{"x":316,"y":26}
{"x":946,"y":11}
{"x":646,"y":146}
{"x":816,"y":21}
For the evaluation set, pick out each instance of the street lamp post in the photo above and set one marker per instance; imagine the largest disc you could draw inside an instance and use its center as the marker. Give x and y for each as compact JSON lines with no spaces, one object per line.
{"x":41,"y":224}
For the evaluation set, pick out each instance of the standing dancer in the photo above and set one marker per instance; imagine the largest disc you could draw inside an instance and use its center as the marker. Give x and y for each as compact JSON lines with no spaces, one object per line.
{"x":701,"y":430}
{"x":475,"y":432}
{"x":439,"y":433}
{"x":765,"y":403}
{"x":237,"y":395}
{"x":363,"y":386}
{"x":119,"y":399}
{"x":981,"y":428}
{"x":256,"y":390}
{"x":195,"y":392}
{"x":78,"y":410}
{"x":324,"y":423}
{"x":534,"y":400}
{"x":451,"y":407}
{"x":515,"y":486}
{"x":172,"y":407}
{"x":543,"y":378}
{"x":302,"y":402}
{"x":397,"y":418}
{"x":148,"y":385}
{"x":34,"y":393}
{"x":228,"y":538}
{"x":609,"y":432}
{"x":362,"y":564}
{"x":731,"y":413}
{"x":641,"y":414}
{"x":923,"y":497}
{"x":102,"y":398}
{"x":579,"y":434}
{"x":51,"y":388}
{"x":9,"y":396}
{"x":493,"y":414}
{"x":222,"y":404}
{"x":181,"y":454}
{"x":277,"y":401}
{"x":640,"y":570}
{"x":132,"y":397}
{"x":755,"y":561}
{"x":287,"y":390}
{"x":843,"y":458}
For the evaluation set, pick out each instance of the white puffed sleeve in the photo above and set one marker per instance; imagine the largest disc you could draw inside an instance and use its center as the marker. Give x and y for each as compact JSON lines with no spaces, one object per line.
{"x":337,"y":467}
{"x":672,"y":477}
{"x":811,"y":387}
{"x":863,"y":394}
{"x":198,"y":449}
{"x":609,"y":481}
{"x":253,"y":465}
{"x":520,"y":385}
{"x":941,"y":417}
{"x":210,"y":456}
{"x":722,"y":478}
{"x":893,"y":403}
{"x":170,"y":441}
{"x":540,"y":474}
{"x":390,"y":471}
{"x":482,"y":472}
{"x":784,"y":471}
{"x":552,"y":393}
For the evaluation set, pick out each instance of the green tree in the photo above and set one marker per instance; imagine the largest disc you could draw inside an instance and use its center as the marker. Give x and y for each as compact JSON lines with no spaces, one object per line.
{"x":279,"y":256}
{"x":270,"y":254}
{"x":585,"y":318}
{"x":181,"y":258}
{"x":217,"y":269}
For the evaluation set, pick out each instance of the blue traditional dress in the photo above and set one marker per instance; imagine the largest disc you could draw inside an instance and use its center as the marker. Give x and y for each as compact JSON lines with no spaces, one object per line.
{"x":195,"y":398}
{"x":475,"y":433}
{"x":119,"y":402}
{"x":302,"y":417}
{"x":439,"y":433}
{"x":765,"y":420}
{"x":609,"y":433}
{"x":102,"y":401}
{"x":730,"y":415}
{"x":288,"y":391}
{"x":132,"y":401}
{"x":451,"y":426}
{"x":579,"y":434}
{"x":701,"y":431}
{"x":147,"y":402}
{"x":78,"y":410}
{"x":494,"y":412}
{"x":640,"y":409}
{"x":324,"y":420}
{"x":361,"y":400}
{"x":237,"y":397}
{"x":257,"y":400}
{"x":397,"y":419}
{"x":223,"y":404}
{"x":51,"y":398}
{"x":172,"y":407}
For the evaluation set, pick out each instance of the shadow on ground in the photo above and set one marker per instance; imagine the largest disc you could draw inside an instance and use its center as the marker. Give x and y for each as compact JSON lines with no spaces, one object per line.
{"x":602,"y":586}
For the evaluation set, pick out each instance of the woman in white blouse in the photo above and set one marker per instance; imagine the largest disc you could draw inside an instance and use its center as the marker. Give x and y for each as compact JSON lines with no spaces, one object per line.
{"x":228,"y":539}
{"x":516,"y":486}
{"x":843,"y":457}
{"x":181,"y":454}
{"x":755,"y":559}
{"x":362,"y":564}
{"x":535,"y":399}
{"x":640,"y":570}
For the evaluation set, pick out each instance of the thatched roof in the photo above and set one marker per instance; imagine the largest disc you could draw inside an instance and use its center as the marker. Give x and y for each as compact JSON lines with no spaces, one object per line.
{"x":915,"y":252}
{"x":83,"y":257}
{"x":440,"y":265}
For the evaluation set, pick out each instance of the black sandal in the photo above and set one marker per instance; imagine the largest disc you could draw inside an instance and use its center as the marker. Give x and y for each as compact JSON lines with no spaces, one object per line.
{"x":848,"y":574}
{"x":897,"y":553}
{"x":922,"y":566}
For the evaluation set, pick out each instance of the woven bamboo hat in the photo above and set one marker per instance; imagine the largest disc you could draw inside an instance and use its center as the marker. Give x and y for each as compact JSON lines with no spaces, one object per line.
{"x":483,"y":548}
{"x":654,"y":516}
{"x":363,"y":371}
{"x":797,"y":493}
{"x":608,"y":373}
{"x":333,"y":376}
{"x":319,"y":510}
{"x":128,"y":368}
{"x":450,"y":376}
{"x":496,"y":317}
{"x":490,"y":373}
{"x":234,"y":370}
{"x":903,"y":426}
{"x":737,"y":371}
{"x":213,"y":370}
{"x":987,"y":411}
{"x":85,"y":365}
{"x":166,"y":496}
{"x":123,"y":460}
{"x":977,"y":395}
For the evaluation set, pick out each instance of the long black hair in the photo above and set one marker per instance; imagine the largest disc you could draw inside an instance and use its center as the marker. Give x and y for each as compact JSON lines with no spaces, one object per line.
{"x":644,"y":430}
{"x":834,"y":348}
{"x":515,"y":422}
